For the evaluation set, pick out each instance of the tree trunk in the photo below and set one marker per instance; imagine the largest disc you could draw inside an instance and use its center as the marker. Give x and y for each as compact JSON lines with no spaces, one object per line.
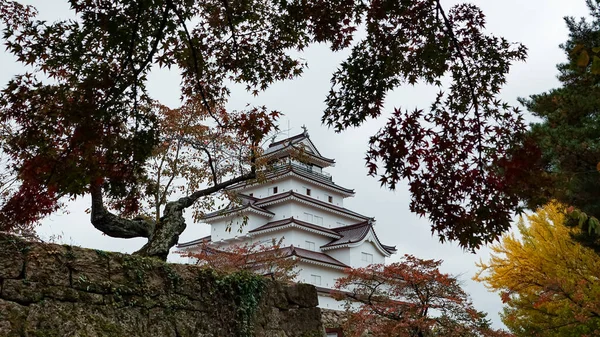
{"x":162,"y":235}
{"x":166,"y":233}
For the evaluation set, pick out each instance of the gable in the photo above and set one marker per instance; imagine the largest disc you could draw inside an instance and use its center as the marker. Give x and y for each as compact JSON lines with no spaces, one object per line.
{"x":309,"y":146}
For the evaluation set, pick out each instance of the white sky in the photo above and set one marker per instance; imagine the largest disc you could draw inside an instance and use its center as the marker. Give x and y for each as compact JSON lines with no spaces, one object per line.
{"x":536,"y":23}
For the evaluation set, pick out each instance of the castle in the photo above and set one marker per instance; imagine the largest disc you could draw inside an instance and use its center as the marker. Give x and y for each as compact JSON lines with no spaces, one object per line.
{"x":300,"y":204}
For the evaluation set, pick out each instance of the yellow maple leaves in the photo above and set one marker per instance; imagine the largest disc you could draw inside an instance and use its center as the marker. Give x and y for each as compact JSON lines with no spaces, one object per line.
{"x":548,"y":281}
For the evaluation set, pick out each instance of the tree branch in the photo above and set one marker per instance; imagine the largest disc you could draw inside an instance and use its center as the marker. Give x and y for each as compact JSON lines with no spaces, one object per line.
{"x":116,"y":226}
{"x":195,"y":65}
{"x":154,"y":48}
{"x":448,"y":24}
{"x":198,"y":146}
{"x":189,"y":200}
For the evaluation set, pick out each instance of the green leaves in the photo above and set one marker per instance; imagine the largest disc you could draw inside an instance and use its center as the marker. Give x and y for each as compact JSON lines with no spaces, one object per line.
{"x":567,"y":137}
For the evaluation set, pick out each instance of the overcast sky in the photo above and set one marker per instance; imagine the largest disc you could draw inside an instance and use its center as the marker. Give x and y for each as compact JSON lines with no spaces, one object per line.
{"x":536,"y":23}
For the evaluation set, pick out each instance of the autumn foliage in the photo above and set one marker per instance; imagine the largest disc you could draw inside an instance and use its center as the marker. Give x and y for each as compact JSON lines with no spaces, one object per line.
{"x":83,"y":122}
{"x":548,"y":281}
{"x":566,"y":133}
{"x":266,"y":259}
{"x":411,"y":298}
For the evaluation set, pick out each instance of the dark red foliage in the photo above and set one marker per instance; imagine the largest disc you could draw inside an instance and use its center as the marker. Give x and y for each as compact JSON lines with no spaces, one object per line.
{"x":450,"y":154}
{"x":95,"y":120}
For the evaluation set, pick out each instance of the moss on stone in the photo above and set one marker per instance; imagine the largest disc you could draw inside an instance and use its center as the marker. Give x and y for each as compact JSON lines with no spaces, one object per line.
{"x":71,"y":291}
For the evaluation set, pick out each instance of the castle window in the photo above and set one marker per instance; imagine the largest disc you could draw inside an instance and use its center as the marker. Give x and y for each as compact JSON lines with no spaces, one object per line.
{"x":309,"y":245}
{"x":308,"y":191}
{"x":273,"y":190}
{"x":251,"y":194}
{"x":366,"y":257}
{"x":330,"y":198}
{"x":308,"y":217}
{"x":315,"y":279}
{"x":319,"y":220}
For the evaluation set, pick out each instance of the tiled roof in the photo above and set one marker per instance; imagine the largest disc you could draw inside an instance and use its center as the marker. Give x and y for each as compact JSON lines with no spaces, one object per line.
{"x":391,"y":249}
{"x":285,"y":222}
{"x":292,"y":139}
{"x":236,"y":209}
{"x":283,"y":169}
{"x":289,"y":194}
{"x":289,"y":142}
{"x":312,"y":256}
{"x":356,"y":233}
{"x":194,"y":242}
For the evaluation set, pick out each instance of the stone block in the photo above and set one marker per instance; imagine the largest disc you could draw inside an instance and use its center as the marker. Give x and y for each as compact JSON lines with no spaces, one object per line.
{"x":11,"y":257}
{"x":13,"y":317}
{"x":22,"y":291}
{"x":47,"y":264}
{"x":303,"y":295}
{"x":89,"y":270}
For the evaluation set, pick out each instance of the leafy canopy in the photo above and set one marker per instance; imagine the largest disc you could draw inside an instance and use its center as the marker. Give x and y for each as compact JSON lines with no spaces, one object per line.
{"x":548,"y":281}
{"x":564,"y":146}
{"x":410,"y":298}
{"x":93,"y":123}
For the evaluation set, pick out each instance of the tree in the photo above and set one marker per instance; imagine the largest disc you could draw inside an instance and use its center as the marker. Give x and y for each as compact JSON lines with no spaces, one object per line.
{"x":566,"y":142}
{"x":409,"y":298}
{"x":269,"y":259}
{"x":91,"y":128}
{"x":548,"y":281}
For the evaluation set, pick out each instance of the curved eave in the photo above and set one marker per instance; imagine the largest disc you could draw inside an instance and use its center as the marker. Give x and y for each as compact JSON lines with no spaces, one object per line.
{"x":290,"y":172}
{"x":332,"y":209}
{"x":322,"y":264}
{"x":194,"y":243}
{"x":227,"y":214}
{"x":344,"y":191}
{"x":376,"y":242}
{"x":294,"y":226}
{"x":314,"y":159}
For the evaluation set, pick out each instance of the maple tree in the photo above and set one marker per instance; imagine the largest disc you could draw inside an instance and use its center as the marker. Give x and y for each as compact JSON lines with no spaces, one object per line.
{"x":410,"y":298}
{"x":269,"y":259}
{"x":457,"y":155}
{"x":547,"y":280}
{"x":83,"y":122}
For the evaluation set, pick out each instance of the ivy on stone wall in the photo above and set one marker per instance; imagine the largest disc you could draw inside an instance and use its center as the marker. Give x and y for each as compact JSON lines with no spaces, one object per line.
{"x":246,"y":289}
{"x":43,"y":287}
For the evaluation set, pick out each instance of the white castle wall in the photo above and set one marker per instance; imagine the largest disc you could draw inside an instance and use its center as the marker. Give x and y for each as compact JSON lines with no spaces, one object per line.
{"x":220,"y":231}
{"x":285,"y":184}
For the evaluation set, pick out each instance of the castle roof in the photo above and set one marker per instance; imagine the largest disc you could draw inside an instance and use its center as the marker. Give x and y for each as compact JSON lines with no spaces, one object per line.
{"x":192,"y":243}
{"x":302,"y":142}
{"x":281,"y":171}
{"x":231,"y":210}
{"x":294,"y":223}
{"x":310,"y":256}
{"x":291,"y":195}
{"x":354,"y":234}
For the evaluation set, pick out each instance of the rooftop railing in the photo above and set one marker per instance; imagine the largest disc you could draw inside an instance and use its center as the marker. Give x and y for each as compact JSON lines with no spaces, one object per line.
{"x":307,"y":169}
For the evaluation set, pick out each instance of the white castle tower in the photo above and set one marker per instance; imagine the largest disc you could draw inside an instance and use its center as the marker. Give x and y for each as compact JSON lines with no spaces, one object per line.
{"x":300,"y":204}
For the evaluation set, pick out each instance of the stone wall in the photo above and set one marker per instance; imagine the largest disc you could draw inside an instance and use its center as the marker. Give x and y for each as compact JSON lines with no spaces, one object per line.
{"x":333,"y":319}
{"x":49,"y":290}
